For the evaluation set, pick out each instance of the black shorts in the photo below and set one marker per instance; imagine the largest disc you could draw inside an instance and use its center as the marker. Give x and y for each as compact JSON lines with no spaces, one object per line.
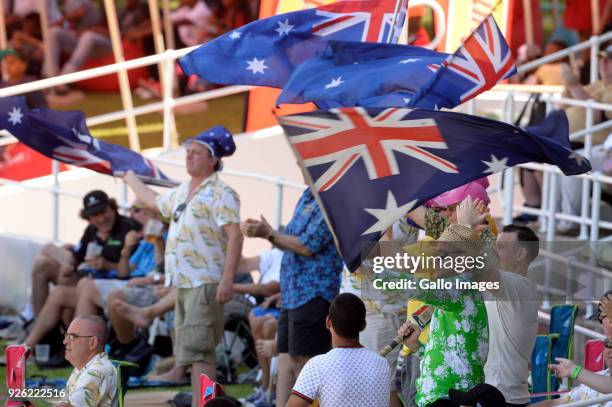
{"x":302,"y":331}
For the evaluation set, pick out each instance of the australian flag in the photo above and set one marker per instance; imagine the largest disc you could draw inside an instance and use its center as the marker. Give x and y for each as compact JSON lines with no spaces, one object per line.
{"x":387,"y":75}
{"x":63,"y":136}
{"x":350,"y":74}
{"x":265,"y":52}
{"x":369,"y":167}
{"x":480,"y":62}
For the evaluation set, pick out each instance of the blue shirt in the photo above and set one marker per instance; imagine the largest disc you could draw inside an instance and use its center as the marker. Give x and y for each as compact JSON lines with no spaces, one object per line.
{"x":304,"y":278}
{"x":143,"y":259}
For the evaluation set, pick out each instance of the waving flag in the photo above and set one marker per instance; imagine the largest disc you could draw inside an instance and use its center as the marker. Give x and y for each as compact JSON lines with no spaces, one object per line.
{"x":265,"y":52}
{"x":362,"y":74}
{"x":369,"y":167}
{"x":483,"y":60}
{"x":63,"y":135}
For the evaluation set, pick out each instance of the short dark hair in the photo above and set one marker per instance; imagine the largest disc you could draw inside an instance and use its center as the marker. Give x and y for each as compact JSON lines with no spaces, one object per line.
{"x":347,"y":314}
{"x":529,"y":240}
{"x":99,"y":328}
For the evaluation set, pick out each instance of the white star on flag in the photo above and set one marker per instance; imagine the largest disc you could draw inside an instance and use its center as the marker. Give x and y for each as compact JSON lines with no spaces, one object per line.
{"x":409,"y":60}
{"x":495,"y":165}
{"x":579,"y":158}
{"x":235,"y":35}
{"x":406,"y":100}
{"x":335,"y":83}
{"x":15,"y":116}
{"x":257,"y":66}
{"x":284,"y":27}
{"x":386,"y":217}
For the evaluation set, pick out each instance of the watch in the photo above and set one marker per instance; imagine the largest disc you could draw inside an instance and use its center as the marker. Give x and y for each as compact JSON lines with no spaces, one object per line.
{"x":271,"y":237}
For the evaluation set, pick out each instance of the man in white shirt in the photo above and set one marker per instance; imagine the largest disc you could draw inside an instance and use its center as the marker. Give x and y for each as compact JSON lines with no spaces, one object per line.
{"x":512,"y":315}
{"x":93,"y":381}
{"x":349,"y":374}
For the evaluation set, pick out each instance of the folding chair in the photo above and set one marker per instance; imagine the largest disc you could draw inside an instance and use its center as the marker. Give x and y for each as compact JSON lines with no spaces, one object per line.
{"x":123,"y":375}
{"x":16,"y":372}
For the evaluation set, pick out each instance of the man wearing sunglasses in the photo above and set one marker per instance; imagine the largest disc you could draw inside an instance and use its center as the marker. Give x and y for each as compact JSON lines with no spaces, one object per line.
{"x":93,"y":381}
{"x":202,"y":250}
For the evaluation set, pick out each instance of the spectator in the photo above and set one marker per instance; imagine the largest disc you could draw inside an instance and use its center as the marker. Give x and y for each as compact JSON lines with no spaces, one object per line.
{"x":93,"y":381}
{"x":310,"y":280}
{"x":349,"y":374}
{"x":194,"y":22}
{"x":600,"y":91}
{"x":138,"y":259}
{"x":512,"y":313}
{"x":106,"y":229}
{"x":417,"y":34}
{"x":550,"y":73}
{"x":16,"y":65}
{"x":15,"y":12}
{"x":202,"y":251}
{"x":80,"y":16}
{"x":457,"y":347}
{"x":263,"y":318}
{"x":28,"y":41}
{"x":592,"y":384}
{"x":232,"y":14}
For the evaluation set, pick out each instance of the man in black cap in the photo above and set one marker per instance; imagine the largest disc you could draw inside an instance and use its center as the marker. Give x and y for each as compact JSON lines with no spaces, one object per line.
{"x":99,"y":248}
{"x":202,"y":250}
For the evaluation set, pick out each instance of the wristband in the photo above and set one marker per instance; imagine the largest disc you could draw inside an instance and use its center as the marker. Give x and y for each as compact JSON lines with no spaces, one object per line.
{"x":576,"y":372}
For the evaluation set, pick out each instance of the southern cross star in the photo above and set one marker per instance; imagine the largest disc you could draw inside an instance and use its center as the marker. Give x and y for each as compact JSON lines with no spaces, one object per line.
{"x":15,"y":116}
{"x":495,"y":165}
{"x":385,"y":217}
{"x":257,"y":66}
{"x":409,"y":60}
{"x":235,"y":35}
{"x":284,"y":27}
{"x":335,"y":83}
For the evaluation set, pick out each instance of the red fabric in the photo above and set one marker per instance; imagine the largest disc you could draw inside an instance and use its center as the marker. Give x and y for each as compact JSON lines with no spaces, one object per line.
{"x":16,"y":366}
{"x":593,"y":355}
{"x":205,"y":383}
{"x":19,"y":162}
{"x":421,"y":38}
{"x":110,"y":83}
{"x":578,"y":14}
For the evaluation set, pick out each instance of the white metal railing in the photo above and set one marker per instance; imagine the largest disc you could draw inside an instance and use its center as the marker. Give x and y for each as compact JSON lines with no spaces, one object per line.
{"x":548,"y":212}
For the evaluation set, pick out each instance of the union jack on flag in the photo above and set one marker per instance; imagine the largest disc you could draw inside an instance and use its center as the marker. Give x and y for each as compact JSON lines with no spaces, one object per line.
{"x":478,"y":64}
{"x":353,"y":135}
{"x":266,"y":52}
{"x":368,"y":167}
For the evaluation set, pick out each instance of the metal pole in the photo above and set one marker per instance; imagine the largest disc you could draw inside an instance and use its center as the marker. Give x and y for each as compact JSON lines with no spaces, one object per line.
{"x":158,"y":38}
{"x":595,"y":209}
{"x":550,"y":236}
{"x":168,"y":140}
{"x":168,"y":29}
{"x":55,"y":207}
{"x":44,"y":30}
{"x":509,"y":173}
{"x":124,"y":84}
{"x":278,"y":205}
{"x":594,"y":63}
{"x":528,"y":20}
{"x":3,"y":41}
{"x":472,"y":106}
{"x":588,"y":145}
{"x":544,"y":202}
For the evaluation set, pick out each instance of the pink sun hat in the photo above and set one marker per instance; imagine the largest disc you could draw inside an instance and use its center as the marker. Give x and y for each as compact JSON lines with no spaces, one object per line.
{"x":476,"y":189}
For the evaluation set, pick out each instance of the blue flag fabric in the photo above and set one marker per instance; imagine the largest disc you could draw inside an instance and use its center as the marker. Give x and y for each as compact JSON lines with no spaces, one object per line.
{"x":350,"y":74}
{"x":481,"y":61}
{"x":265,"y":52}
{"x":64,"y":136}
{"x":369,"y":167}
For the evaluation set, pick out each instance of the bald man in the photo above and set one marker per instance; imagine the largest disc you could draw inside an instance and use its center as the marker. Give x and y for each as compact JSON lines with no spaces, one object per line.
{"x":93,"y":382}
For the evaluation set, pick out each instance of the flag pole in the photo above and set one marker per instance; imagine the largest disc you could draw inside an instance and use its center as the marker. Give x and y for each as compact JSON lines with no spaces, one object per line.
{"x":166,"y":183}
{"x":399,"y":4}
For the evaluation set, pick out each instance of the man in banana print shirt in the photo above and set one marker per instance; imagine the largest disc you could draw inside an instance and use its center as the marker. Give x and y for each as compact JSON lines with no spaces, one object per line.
{"x":202,"y":250}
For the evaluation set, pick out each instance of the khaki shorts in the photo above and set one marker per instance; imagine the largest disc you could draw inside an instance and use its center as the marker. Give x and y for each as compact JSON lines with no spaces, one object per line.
{"x":198,"y":325}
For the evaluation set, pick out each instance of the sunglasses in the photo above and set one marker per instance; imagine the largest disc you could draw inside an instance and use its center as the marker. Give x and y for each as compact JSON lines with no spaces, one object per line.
{"x":72,"y":337}
{"x":178,"y":211}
